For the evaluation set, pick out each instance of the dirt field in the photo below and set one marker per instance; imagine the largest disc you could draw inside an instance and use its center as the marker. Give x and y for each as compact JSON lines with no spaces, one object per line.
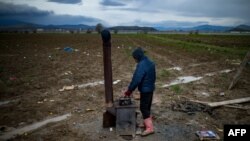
{"x":34,"y":67}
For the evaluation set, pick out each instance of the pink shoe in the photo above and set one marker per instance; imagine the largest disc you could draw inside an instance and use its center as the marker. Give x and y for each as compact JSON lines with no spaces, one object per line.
{"x":149,"y":127}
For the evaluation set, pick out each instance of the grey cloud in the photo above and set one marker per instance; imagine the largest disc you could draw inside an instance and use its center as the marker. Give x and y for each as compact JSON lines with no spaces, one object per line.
{"x":201,"y":8}
{"x":217,"y":9}
{"x":66,"y":19}
{"x":111,"y":3}
{"x":30,"y":14}
{"x":169,"y":23}
{"x":66,"y":1}
{"x":8,"y":9}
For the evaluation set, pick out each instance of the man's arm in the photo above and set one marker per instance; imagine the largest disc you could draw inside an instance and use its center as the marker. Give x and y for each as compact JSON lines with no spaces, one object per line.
{"x":137,"y":78}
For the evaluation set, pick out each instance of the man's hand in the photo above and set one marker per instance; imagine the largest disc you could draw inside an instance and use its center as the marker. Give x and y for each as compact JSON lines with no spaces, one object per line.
{"x":127,"y":93}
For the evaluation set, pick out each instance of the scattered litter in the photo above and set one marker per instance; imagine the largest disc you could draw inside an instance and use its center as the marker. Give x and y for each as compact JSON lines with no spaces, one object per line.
{"x":175,"y":68}
{"x":24,"y":57}
{"x":222,"y":94}
{"x":220,"y":130}
{"x":111,"y":129}
{"x":225,"y":71}
{"x":207,"y":135}
{"x":85,"y":85}
{"x":188,"y":79}
{"x":76,"y":50}
{"x":222,"y":71}
{"x":57,"y":48}
{"x":29,"y":128}
{"x":51,"y":100}
{"x":39,"y":102}
{"x":4,"y":102}
{"x":68,"y":49}
{"x":67,"y":88}
{"x":181,"y":80}
{"x":205,"y":94}
{"x":50,"y":57}
{"x":117,"y":81}
{"x":95,"y":84}
{"x":68,"y":73}
{"x":88,"y":110}
{"x":90,"y":84}
{"x":234,"y":62}
{"x":8,"y":101}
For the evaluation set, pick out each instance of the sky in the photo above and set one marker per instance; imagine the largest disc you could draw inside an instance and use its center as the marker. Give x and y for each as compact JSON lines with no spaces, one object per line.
{"x":156,"y":13}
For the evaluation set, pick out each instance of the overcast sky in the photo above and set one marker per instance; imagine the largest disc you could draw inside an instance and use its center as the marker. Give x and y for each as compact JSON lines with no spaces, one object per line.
{"x":169,"y":13}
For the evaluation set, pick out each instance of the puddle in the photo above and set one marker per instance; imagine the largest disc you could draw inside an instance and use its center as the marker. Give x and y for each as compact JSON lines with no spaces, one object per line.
{"x":183,"y":79}
{"x":32,"y":127}
{"x":95,"y":84}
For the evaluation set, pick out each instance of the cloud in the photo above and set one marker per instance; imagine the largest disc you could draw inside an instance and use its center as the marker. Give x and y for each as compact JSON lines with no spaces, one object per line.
{"x":66,"y":1}
{"x":8,"y":9}
{"x":200,"y":8}
{"x":30,"y":14}
{"x":169,"y":23}
{"x":111,"y":3}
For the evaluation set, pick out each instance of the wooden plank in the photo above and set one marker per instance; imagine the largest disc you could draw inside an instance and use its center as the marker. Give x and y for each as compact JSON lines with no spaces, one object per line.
{"x":222,"y":103}
{"x":237,"y":107}
{"x":234,"y":101}
{"x":237,"y":75}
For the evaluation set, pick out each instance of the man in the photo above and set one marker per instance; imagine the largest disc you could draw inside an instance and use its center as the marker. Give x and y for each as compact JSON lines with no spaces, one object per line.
{"x":143,"y":78}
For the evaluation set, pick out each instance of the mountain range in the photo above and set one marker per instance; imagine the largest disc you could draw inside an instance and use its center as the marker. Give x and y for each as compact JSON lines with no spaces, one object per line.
{"x":16,"y":25}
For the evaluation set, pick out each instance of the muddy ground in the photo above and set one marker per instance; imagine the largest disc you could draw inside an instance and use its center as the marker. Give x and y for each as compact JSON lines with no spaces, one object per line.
{"x":34,"y":67}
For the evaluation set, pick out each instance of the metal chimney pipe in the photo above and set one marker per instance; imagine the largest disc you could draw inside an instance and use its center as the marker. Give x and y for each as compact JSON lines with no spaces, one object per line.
{"x":108,"y":80}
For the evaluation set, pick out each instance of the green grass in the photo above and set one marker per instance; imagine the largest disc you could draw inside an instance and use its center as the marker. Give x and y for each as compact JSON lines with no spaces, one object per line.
{"x":200,"y":47}
{"x":176,"y":89}
{"x":164,"y":73}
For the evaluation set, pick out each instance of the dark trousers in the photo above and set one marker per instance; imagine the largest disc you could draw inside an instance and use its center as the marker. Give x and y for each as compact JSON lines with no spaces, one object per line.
{"x":145,"y":104}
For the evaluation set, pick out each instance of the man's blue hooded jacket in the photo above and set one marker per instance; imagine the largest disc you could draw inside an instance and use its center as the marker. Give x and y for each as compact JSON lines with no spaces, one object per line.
{"x":144,"y":76}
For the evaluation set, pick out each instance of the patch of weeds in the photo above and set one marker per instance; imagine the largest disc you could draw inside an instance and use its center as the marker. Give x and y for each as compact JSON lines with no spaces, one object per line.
{"x":127,"y":52}
{"x":176,"y":89}
{"x":164,"y":73}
